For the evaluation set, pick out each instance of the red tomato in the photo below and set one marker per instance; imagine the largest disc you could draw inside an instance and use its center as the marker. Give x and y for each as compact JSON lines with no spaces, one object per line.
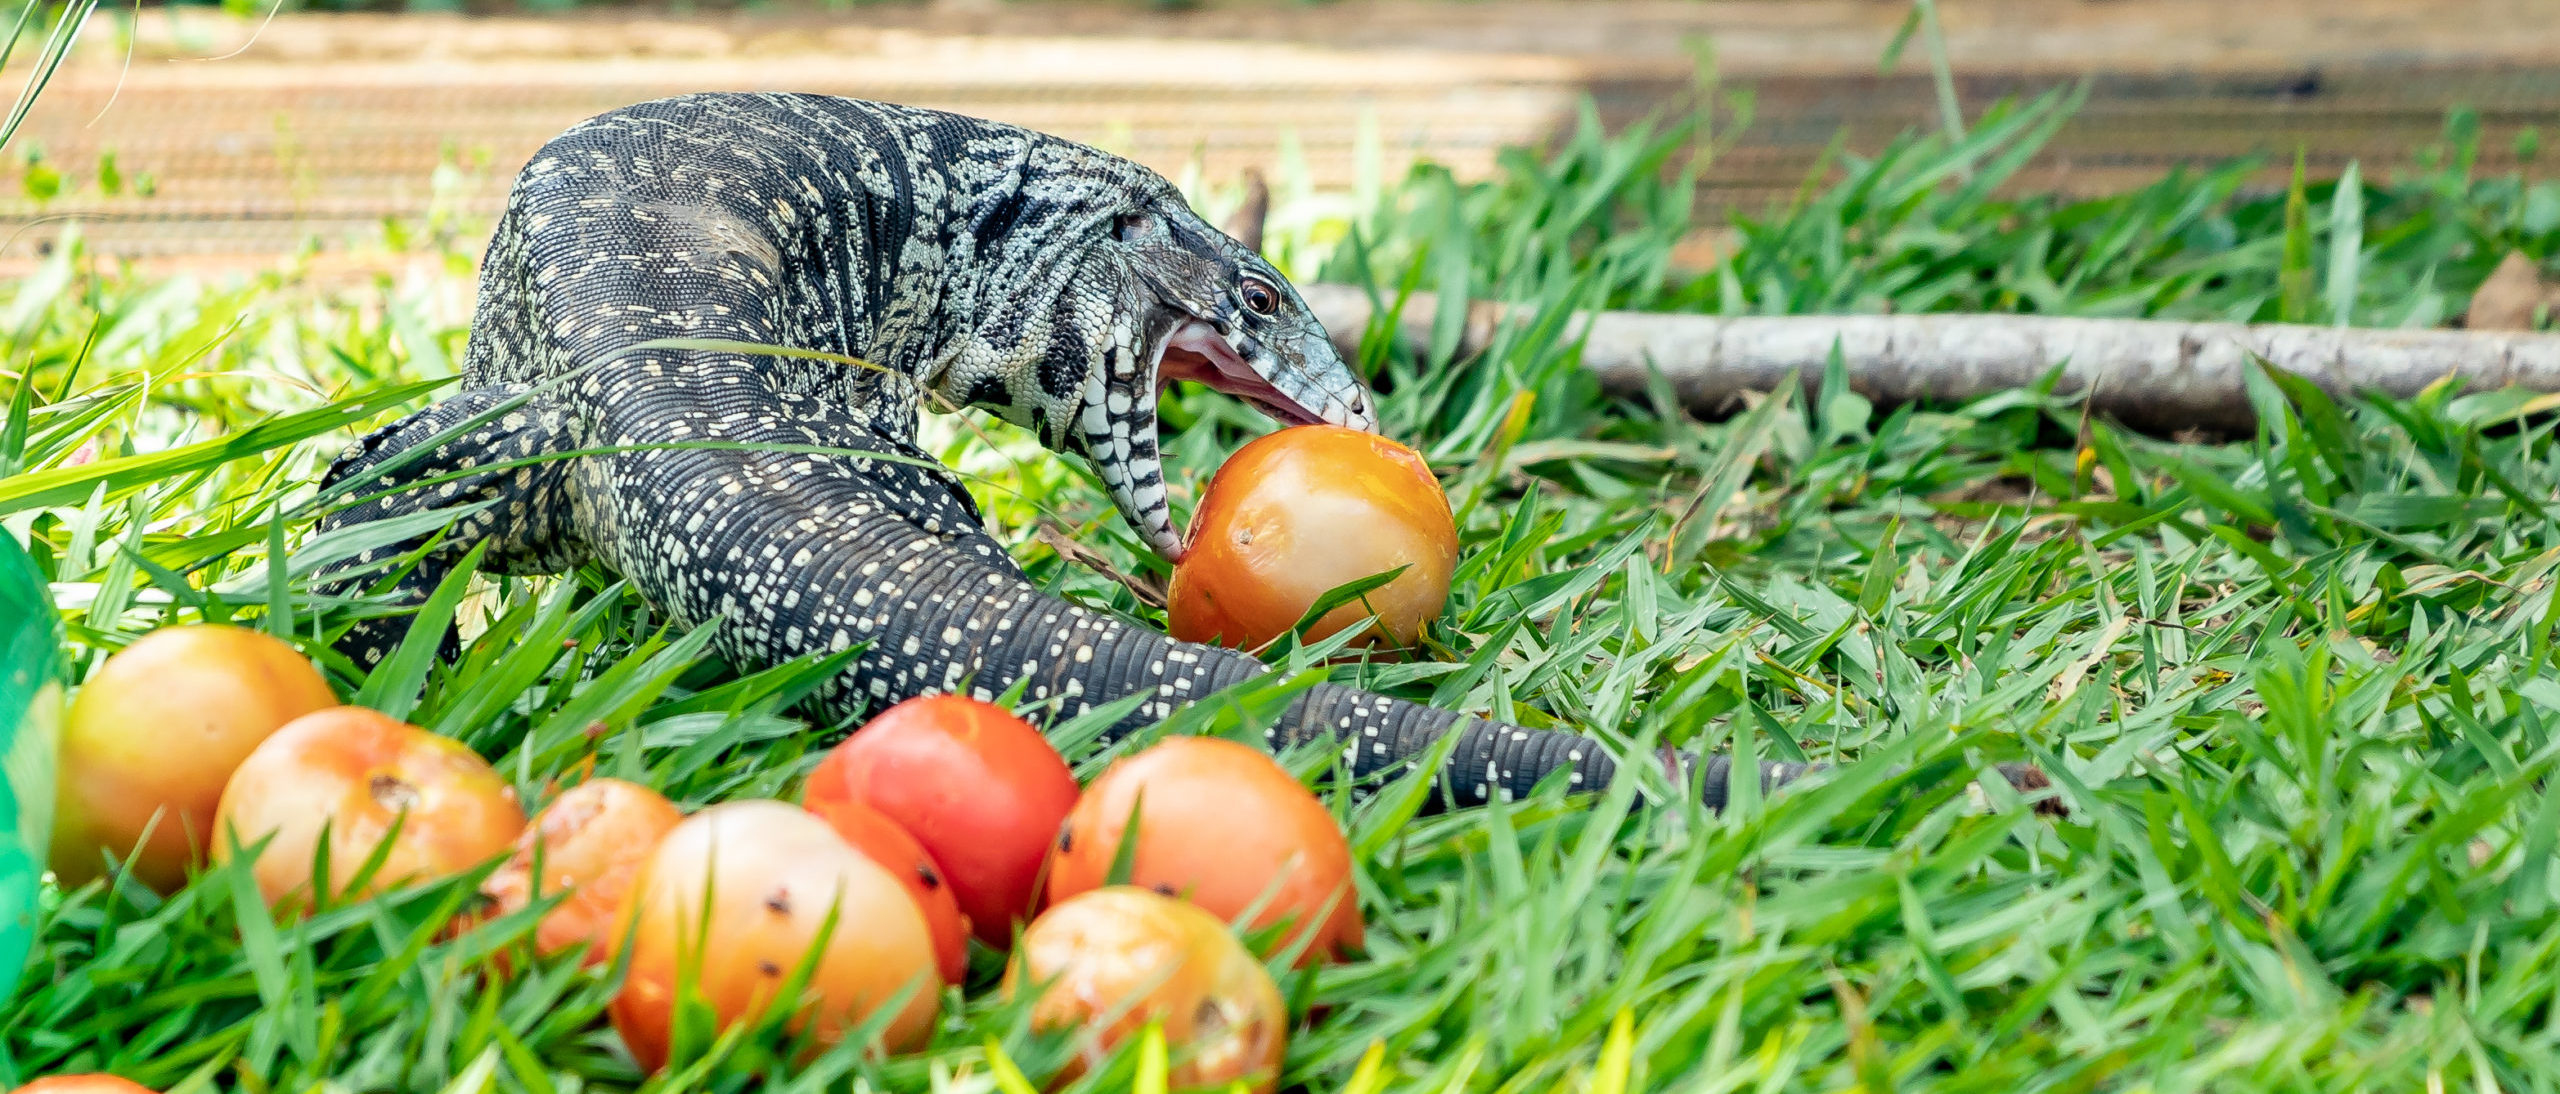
{"x":591,"y":841}
{"x":154,"y":734}
{"x":99,"y":1083}
{"x":353,"y":772}
{"x":1220,"y":824}
{"x":889,"y":845}
{"x":773,"y":873}
{"x":1115,"y":959}
{"x":981,"y":789}
{"x":1297,"y":513}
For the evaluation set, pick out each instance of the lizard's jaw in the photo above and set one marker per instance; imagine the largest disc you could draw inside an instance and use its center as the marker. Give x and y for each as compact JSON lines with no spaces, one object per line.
{"x":1198,"y":360}
{"x":1119,"y":417}
{"x":1118,"y":423}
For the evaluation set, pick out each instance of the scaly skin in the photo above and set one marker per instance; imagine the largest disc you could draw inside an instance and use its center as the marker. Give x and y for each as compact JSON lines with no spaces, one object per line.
{"x":983,"y":266}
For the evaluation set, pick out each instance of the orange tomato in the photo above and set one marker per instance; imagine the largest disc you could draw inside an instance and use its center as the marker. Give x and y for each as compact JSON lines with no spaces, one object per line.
{"x":880,"y":838}
{"x":353,"y":773}
{"x":1219,"y":824}
{"x":1297,"y":513}
{"x":982,"y":790}
{"x":772,"y":873}
{"x":153,"y":736}
{"x":1114,"y":959}
{"x":97,"y":1083}
{"x":591,"y":842}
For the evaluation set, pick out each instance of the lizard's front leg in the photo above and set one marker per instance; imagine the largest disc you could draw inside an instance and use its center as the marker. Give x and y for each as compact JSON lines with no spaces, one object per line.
{"x":471,"y":448}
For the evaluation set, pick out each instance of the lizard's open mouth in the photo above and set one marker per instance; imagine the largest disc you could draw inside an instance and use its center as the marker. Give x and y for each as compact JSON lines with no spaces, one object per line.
{"x":1194,"y":352}
{"x":1119,"y":424}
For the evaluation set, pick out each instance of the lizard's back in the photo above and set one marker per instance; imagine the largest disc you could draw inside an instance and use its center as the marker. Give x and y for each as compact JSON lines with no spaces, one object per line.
{"x":859,"y":224}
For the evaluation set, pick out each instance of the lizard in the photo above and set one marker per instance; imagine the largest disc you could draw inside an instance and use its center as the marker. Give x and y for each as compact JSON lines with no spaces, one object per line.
{"x":973,"y":264}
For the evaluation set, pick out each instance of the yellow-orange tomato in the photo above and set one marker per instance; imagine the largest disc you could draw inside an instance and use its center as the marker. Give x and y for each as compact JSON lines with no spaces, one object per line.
{"x":875,"y":835}
{"x":982,"y":790}
{"x":1114,"y":959}
{"x":1303,"y":511}
{"x":1220,"y":825}
{"x":773,"y":872}
{"x":591,"y":842}
{"x":353,"y":773}
{"x":99,"y":1083}
{"x":154,"y":734}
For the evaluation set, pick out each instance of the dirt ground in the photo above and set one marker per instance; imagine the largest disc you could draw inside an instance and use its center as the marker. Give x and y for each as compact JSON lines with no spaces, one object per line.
{"x":310,"y":131}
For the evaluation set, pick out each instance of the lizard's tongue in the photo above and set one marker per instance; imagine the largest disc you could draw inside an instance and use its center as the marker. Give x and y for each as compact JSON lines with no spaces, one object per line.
{"x":1196,"y":353}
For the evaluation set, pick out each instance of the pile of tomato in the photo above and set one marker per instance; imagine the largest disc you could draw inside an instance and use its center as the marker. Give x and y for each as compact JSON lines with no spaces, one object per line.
{"x":943,"y":821}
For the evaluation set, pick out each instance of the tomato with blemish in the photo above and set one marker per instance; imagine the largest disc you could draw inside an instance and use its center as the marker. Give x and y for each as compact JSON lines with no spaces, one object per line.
{"x":874,"y":834}
{"x":589,"y":844}
{"x":736,"y":897}
{"x":1303,"y":511}
{"x":1116,"y":959}
{"x":94,"y":1083}
{"x":155,"y":733}
{"x":1225,"y":827}
{"x":981,"y":789}
{"x":364,"y":779}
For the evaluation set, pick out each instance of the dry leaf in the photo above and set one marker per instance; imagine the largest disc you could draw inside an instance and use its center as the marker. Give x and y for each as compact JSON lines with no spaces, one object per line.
{"x":1701,"y":250}
{"x":2507,"y":299}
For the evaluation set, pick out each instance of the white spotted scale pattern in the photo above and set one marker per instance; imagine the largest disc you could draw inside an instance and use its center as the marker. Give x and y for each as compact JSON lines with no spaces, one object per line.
{"x":981,"y":265}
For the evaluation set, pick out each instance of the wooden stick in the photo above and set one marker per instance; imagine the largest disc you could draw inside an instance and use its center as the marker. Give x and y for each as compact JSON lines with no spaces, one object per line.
{"x":2153,"y":374}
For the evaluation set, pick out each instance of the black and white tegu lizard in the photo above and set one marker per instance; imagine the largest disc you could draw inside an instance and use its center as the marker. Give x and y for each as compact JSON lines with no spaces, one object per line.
{"x":982,"y":265}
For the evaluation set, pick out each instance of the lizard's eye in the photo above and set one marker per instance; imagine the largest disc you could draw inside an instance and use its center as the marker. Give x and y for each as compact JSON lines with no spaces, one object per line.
{"x":1129,"y":226}
{"x":1259,"y":298}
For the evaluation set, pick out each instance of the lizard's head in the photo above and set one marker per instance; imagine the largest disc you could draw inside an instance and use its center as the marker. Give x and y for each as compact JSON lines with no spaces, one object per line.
{"x":1159,"y":296}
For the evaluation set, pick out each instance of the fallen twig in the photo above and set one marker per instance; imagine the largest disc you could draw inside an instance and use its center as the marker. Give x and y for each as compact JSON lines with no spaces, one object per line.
{"x":2154,"y":374}
{"x":1058,"y":538}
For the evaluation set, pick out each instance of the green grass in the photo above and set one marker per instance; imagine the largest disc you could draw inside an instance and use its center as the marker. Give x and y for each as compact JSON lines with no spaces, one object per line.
{"x":2295,"y":688}
{"x":1907,"y":228}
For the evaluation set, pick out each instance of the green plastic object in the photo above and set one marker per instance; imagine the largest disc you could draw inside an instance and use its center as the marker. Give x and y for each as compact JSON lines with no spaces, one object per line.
{"x":31,"y":711}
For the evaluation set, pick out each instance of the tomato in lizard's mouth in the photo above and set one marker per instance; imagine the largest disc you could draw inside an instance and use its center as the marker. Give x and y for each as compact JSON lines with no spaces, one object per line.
{"x":1194,"y":352}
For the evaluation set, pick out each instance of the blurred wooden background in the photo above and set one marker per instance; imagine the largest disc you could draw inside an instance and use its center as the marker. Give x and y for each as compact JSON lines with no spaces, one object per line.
{"x":311,"y":131}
